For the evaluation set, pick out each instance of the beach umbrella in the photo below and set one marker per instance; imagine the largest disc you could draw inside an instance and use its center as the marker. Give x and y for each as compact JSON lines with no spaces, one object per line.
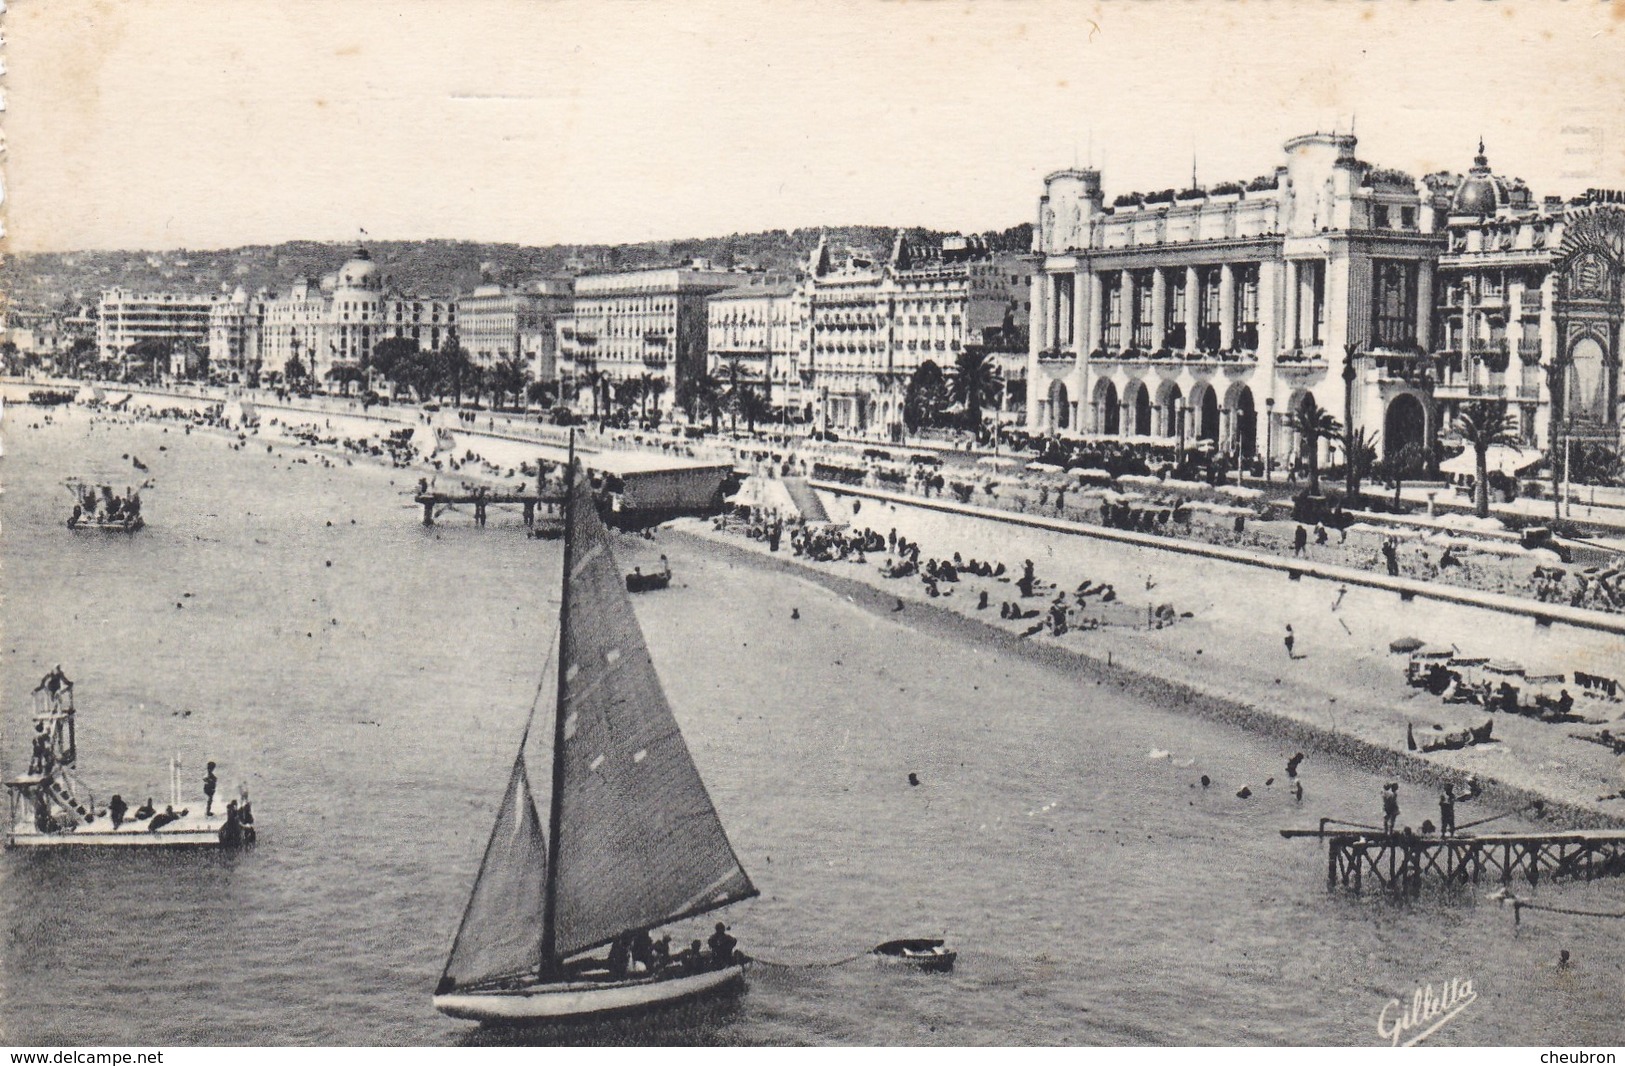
{"x":1405,"y":645}
{"x":1504,"y":666}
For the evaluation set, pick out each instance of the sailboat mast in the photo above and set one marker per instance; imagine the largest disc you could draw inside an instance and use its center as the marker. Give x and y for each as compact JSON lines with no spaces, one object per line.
{"x":556,"y":805}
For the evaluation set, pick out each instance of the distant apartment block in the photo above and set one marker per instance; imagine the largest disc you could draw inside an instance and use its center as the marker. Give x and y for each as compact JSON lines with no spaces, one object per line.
{"x":497,"y":323}
{"x":126,"y":318}
{"x":641,"y":324}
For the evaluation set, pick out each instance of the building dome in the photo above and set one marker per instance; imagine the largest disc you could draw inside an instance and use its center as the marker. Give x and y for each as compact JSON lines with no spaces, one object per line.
{"x":1480,"y":192}
{"x":360,"y":272}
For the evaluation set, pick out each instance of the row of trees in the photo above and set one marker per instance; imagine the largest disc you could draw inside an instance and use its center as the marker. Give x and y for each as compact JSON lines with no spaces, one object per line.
{"x":400,"y":365}
{"x":1481,"y":425}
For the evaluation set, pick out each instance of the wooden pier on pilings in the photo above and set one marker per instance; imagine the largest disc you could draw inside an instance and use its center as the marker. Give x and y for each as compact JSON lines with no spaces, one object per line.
{"x":1399,"y":863}
{"x":553,"y":506}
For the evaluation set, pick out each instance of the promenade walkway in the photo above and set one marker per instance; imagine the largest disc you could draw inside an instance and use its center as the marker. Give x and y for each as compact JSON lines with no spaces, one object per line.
{"x":1407,"y":588}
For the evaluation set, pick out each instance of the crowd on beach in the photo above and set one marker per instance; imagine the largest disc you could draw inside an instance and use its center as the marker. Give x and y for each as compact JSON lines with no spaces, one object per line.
{"x":1023,"y":596}
{"x":1229,"y":516}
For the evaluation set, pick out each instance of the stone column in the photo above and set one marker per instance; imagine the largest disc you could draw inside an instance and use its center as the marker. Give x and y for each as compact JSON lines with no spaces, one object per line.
{"x":1193,"y":307}
{"x":1293,"y":288}
{"x":1308,"y":315}
{"x":1424,"y":305}
{"x":1269,"y":312}
{"x":1159,"y":306}
{"x":1127,"y":340}
{"x":1082,"y":311}
{"x":1037,"y":323}
{"x":1096,"y":312}
{"x":1227,"y":306}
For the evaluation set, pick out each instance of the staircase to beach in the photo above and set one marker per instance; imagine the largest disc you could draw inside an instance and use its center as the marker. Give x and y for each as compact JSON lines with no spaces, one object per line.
{"x":805,"y":499}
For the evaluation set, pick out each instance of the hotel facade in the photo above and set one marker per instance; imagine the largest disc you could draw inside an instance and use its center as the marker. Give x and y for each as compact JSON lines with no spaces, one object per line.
{"x":125,"y":319}
{"x":496,"y":324}
{"x":338,"y":321}
{"x":1210,"y":314}
{"x":872,"y":325}
{"x":762,"y":327}
{"x":637,"y":325}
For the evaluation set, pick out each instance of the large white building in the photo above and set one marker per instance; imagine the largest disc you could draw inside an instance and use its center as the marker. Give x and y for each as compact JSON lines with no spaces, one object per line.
{"x":760,"y":327}
{"x":125,"y":319}
{"x":639,"y":324}
{"x":340,"y":321}
{"x":872,"y":325}
{"x":234,"y":336}
{"x":497,"y":323}
{"x":1211,"y":313}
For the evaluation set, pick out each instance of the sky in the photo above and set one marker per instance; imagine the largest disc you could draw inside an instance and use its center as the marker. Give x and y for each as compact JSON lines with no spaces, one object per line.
{"x":187,"y":124}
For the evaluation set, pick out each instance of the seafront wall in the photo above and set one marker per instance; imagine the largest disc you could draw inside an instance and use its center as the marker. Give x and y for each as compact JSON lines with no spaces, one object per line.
{"x":1406,"y":588}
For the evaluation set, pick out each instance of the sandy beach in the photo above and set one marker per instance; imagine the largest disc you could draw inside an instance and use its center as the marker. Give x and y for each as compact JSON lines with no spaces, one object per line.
{"x":1225,"y":657}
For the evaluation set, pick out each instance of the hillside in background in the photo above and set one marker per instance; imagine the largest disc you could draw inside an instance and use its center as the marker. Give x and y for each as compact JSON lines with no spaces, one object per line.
{"x":436,"y":267}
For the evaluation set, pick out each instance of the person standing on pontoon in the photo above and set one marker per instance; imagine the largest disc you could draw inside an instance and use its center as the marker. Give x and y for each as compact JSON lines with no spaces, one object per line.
{"x":55,"y":684}
{"x":209,"y":783}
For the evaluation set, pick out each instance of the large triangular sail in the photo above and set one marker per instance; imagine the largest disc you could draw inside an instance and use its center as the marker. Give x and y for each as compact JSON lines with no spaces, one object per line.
{"x":638,"y":841}
{"x":501,"y":932}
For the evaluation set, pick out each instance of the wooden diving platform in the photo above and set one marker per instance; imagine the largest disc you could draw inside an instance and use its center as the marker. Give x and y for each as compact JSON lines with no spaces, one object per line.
{"x":429,"y":501}
{"x":1398,"y":863}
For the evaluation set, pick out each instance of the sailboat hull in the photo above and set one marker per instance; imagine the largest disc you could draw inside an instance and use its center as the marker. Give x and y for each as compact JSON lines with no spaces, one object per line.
{"x":584,"y":999}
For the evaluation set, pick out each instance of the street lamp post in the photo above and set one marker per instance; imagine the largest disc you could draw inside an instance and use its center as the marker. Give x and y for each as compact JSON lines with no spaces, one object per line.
{"x":1351,"y":474}
{"x":1269,"y":438}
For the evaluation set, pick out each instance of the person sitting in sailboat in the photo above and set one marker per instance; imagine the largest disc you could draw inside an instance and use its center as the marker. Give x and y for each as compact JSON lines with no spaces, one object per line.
{"x":642,"y":952}
{"x":145,"y":811}
{"x":723,"y":947}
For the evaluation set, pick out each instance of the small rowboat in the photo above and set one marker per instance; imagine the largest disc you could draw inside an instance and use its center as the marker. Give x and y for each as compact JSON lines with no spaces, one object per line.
{"x":641,"y":582}
{"x":927,"y":956}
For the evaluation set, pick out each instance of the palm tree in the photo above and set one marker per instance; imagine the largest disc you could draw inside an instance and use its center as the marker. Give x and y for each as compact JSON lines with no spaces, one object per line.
{"x":976,"y":382}
{"x":656,"y":389}
{"x":705,"y":398}
{"x":1359,"y":458}
{"x":1406,"y":461}
{"x":738,"y":379}
{"x":455,"y":366}
{"x":390,"y":356}
{"x":927,"y":395}
{"x":1313,"y":424}
{"x":1482,"y":424}
{"x":646,"y":385}
{"x":596,"y":380}
{"x":754,"y":408}
{"x":507,"y":376}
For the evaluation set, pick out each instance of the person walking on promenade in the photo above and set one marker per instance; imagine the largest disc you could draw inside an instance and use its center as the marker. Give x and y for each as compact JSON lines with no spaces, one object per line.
{"x":1447,"y":810}
{"x":1390,"y":553}
{"x":1390,"y":806}
{"x":1290,"y":640}
{"x":1300,"y":538}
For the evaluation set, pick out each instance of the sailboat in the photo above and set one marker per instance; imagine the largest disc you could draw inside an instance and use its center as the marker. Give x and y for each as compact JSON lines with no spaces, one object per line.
{"x":631,"y":840}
